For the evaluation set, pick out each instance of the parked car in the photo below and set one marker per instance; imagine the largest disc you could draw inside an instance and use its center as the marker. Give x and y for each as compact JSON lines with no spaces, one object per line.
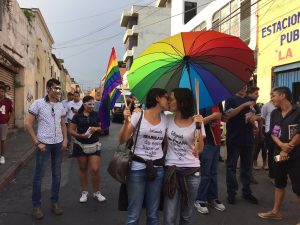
{"x":117,"y":111}
{"x":96,"y":109}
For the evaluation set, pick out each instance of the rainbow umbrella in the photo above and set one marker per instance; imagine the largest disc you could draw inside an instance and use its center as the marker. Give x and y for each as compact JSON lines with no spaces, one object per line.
{"x":222,"y":64}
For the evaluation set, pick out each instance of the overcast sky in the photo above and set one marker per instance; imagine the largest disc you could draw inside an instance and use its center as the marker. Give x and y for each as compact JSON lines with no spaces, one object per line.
{"x":84,"y":33}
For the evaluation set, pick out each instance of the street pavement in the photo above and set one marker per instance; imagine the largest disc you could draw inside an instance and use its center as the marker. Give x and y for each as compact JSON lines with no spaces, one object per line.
{"x":15,"y":199}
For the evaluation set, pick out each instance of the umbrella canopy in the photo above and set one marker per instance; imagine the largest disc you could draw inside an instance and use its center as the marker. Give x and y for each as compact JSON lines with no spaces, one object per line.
{"x":221,"y":63}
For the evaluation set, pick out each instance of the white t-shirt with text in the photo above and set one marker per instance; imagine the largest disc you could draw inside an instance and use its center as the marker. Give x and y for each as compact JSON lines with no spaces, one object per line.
{"x":149,"y":140}
{"x":180,"y":145}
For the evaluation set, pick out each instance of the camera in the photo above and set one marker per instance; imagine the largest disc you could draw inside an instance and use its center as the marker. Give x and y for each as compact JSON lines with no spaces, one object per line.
{"x":277,"y":158}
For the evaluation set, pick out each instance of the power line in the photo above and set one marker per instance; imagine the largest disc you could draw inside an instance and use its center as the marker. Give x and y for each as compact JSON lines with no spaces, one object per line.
{"x":97,"y":30}
{"x":92,"y":16}
{"x":97,"y":41}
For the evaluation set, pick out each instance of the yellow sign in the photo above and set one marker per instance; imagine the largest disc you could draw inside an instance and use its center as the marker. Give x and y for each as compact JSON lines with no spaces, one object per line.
{"x":278,"y":39}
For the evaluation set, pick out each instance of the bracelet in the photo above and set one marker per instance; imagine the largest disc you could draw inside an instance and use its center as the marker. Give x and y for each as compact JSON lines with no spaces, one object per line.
{"x":37,"y":143}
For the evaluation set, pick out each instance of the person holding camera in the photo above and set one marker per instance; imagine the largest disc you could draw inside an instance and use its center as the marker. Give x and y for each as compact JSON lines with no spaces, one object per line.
{"x":146,"y":174}
{"x":185,"y":143}
{"x":285,"y":132}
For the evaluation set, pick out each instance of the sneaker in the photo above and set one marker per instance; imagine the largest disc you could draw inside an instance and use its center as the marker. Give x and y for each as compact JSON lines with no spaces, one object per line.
{"x":201,"y":207}
{"x":2,"y":160}
{"x":56,"y":210}
{"x":84,"y":197}
{"x":217,"y":205}
{"x":98,"y":196}
{"x":37,"y":213}
{"x":231,"y":199}
{"x":250,"y":198}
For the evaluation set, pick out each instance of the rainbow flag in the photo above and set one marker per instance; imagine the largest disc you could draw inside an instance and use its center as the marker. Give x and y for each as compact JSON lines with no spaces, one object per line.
{"x":104,"y":111}
{"x":112,"y":76}
{"x":110,"y":94}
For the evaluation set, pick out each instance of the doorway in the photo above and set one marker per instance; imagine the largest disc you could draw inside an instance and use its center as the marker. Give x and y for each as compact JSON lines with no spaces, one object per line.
{"x":296,"y":91}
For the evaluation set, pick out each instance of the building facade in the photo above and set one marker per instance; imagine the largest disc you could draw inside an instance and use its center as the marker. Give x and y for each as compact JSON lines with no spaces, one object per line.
{"x":144,"y":25}
{"x":278,"y":47}
{"x":25,"y":55}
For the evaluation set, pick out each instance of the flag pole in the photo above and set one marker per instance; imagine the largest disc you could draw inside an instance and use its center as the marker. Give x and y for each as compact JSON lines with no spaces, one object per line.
{"x":124,"y":97}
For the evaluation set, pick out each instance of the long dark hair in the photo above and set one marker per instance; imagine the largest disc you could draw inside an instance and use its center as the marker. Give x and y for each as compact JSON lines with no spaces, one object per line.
{"x":84,"y":100}
{"x":185,"y":102}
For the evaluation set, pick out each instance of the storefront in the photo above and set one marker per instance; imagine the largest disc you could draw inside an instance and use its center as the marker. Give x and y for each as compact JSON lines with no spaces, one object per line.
{"x":278,"y":62}
{"x":8,"y":70}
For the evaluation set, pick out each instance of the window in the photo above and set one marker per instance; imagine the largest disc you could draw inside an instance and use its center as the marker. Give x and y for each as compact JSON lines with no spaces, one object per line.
{"x":38,"y":66}
{"x":1,"y":14}
{"x":131,"y":22}
{"x":44,"y":86}
{"x":190,"y":10}
{"x":216,"y":21}
{"x":129,"y":63}
{"x":245,"y":28}
{"x":36,"y":90}
{"x":201,"y":26}
{"x":51,"y":71}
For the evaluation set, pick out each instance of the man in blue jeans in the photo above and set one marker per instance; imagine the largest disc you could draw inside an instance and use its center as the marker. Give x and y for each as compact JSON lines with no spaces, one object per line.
{"x":208,"y":188}
{"x":239,"y":141}
{"x":50,"y":140}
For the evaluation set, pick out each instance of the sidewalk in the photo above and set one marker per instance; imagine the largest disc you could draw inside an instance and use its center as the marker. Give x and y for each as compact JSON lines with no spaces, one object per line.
{"x":19,"y":149}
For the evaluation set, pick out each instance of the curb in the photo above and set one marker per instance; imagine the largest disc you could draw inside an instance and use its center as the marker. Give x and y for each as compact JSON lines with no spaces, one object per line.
{"x":11,"y":173}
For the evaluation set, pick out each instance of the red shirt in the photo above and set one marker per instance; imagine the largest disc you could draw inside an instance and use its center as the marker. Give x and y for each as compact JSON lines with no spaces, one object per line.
{"x":216,"y":130}
{"x":5,"y":109}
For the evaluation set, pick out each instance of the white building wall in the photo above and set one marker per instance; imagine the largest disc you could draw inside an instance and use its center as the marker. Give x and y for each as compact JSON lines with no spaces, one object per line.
{"x":206,"y":14}
{"x":26,"y":40}
{"x":153,"y":25}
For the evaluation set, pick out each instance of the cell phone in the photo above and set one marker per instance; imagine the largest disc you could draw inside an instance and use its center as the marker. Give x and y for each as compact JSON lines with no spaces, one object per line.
{"x":277,"y":158}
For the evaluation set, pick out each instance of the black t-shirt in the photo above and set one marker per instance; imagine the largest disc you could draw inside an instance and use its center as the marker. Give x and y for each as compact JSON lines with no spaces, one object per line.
{"x":83,"y":123}
{"x":285,"y":128}
{"x":238,"y":132}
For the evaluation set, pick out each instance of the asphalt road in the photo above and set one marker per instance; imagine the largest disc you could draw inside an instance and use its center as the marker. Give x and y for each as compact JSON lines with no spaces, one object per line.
{"x":15,"y":201}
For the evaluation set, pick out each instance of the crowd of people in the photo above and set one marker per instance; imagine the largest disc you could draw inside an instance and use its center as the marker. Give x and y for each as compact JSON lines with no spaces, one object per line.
{"x":174,"y":161}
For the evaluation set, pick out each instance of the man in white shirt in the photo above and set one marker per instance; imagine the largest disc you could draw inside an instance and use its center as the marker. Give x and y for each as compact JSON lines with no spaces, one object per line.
{"x":50,"y":140}
{"x":65,"y":104}
{"x":74,"y":105}
{"x":266,"y":111}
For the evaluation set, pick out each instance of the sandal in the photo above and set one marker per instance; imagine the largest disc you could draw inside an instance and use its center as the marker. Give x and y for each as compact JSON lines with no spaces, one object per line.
{"x":270,"y":215}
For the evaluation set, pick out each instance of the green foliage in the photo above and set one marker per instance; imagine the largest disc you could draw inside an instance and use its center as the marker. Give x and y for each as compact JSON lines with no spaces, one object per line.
{"x":29,"y":15}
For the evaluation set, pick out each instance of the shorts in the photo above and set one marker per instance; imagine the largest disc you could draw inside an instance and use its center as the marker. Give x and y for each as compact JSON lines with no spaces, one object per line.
{"x":3,"y":131}
{"x":290,"y":167}
{"x":78,"y":152}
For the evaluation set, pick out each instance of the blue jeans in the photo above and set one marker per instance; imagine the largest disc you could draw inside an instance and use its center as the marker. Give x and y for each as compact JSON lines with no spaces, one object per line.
{"x":139,"y":189}
{"x":246,"y":156}
{"x":41,"y":158}
{"x":171,"y":205}
{"x":208,"y":188}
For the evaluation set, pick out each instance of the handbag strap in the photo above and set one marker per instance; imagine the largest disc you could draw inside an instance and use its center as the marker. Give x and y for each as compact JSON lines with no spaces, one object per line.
{"x":137,"y":131}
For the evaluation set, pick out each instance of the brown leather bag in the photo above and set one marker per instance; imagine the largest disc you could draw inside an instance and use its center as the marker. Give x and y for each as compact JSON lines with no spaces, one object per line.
{"x":120,"y":164}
